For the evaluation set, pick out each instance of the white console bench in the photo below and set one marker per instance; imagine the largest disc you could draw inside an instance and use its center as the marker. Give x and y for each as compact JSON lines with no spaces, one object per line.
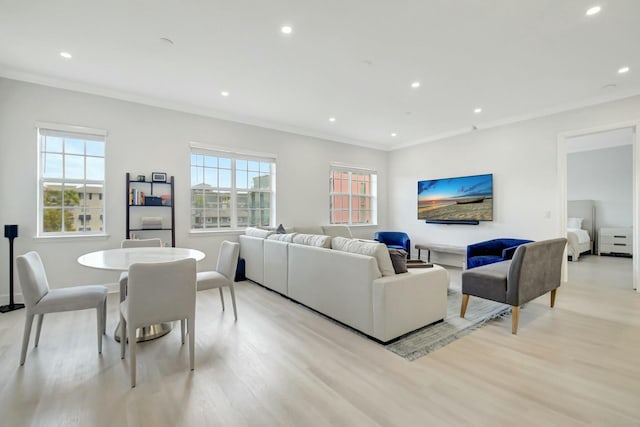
{"x":460,"y":251}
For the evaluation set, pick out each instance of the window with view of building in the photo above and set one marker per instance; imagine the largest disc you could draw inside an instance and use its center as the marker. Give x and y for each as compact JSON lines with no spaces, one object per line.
{"x":71,"y":181}
{"x":352,"y":196}
{"x":231,"y":190}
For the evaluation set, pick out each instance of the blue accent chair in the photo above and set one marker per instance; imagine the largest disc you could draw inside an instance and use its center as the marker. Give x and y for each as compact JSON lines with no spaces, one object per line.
{"x":394,"y":240}
{"x":490,"y":251}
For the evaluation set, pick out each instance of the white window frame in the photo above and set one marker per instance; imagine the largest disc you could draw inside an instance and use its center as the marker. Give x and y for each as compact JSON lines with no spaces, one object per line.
{"x":373,"y":196}
{"x":206,"y":150}
{"x":77,"y":132}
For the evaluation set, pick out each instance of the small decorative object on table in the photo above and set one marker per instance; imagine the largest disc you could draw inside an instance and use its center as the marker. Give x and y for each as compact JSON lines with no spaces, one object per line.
{"x":141,"y":178}
{"x":159,"y":177}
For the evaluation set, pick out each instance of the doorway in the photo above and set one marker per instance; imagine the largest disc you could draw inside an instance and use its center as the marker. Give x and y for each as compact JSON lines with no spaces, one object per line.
{"x":616,"y":142}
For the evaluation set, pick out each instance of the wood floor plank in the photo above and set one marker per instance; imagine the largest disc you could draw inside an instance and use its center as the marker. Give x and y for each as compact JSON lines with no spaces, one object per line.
{"x":283,"y":364}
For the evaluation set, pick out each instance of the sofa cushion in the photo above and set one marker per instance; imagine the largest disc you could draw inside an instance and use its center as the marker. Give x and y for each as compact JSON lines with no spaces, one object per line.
{"x":308,"y":229}
{"x":398,"y":260}
{"x":337,"y":231}
{"x":257,"y":232}
{"x":318,"y":240}
{"x":374,"y":249}
{"x":282,"y":237}
{"x":280,"y":229}
{"x":487,"y":281}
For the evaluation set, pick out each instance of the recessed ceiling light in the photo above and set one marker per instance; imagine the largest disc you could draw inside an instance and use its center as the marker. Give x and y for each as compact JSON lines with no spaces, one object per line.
{"x":224,"y":93}
{"x":286,"y":29}
{"x":332,"y":119}
{"x":593,"y":10}
{"x":65,"y":55}
{"x":415,"y":85}
{"x":478,"y":110}
{"x":394,"y":134}
{"x":623,"y":70}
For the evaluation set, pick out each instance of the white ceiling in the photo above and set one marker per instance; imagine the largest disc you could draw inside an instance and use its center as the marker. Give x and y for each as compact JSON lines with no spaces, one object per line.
{"x":353,"y":60}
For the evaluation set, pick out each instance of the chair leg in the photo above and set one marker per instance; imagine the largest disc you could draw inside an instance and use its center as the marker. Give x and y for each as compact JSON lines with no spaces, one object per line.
{"x":39,"y":328}
{"x":123,"y":289}
{"x":99,"y":327}
{"x":182,"y":331}
{"x":28,"y":321}
{"x":104,"y":318}
{"x":553,"y":297}
{"x":515,"y":317}
{"x":463,"y":306}
{"x":123,"y":335}
{"x":132,"y":354}
{"x":192,"y":341}
{"x":233,"y":300}
{"x":221,"y":298}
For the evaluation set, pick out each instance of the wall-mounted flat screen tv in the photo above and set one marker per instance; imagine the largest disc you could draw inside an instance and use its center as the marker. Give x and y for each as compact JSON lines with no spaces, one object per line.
{"x":465,"y":199}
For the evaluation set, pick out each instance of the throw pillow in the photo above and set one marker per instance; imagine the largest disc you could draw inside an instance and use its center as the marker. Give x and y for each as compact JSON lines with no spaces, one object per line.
{"x":280,"y":230}
{"x":283,"y":237}
{"x":317,"y":240}
{"x":374,"y":249}
{"x":257,"y":232}
{"x":399,"y":260}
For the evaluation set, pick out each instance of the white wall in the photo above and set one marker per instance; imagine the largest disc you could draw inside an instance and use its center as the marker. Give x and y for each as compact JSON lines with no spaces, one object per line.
{"x":141,"y":140}
{"x":523,"y":158}
{"x":605,"y":176}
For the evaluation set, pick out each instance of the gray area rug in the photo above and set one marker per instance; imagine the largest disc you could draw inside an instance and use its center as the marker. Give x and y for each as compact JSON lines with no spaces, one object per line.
{"x":430,"y":338}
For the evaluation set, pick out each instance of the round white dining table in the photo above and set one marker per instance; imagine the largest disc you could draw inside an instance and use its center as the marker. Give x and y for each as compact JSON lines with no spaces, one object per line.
{"x":121,"y":259}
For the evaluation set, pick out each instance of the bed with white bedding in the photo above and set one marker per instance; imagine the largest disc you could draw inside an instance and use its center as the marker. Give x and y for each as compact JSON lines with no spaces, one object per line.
{"x":580,"y":228}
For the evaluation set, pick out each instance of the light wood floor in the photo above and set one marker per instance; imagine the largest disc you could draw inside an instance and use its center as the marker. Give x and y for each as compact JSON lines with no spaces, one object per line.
{"x":280,"y":364}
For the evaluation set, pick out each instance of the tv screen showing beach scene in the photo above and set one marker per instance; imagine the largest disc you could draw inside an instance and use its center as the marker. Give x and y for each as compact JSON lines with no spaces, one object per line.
{"x":467,"y":198}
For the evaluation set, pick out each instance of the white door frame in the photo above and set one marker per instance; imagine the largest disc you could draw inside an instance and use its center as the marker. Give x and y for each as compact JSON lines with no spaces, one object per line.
{"x":562,"y":176}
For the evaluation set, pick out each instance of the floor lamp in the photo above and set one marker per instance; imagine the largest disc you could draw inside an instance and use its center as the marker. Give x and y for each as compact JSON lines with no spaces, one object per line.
{"x":10,"y":232}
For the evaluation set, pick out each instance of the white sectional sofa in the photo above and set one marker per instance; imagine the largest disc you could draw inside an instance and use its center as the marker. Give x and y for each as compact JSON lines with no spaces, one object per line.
{"x":348,"y":287}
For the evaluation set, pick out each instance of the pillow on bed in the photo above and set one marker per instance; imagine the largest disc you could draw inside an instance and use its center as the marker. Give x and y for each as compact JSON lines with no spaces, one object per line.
{"x":574,"y":223}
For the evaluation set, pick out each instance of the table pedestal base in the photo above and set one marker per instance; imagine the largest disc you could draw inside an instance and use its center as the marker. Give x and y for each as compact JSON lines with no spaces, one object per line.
{"x":147,"y":333}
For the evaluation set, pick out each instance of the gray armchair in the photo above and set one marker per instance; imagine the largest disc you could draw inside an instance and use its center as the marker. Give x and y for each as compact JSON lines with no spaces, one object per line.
{"x":534,"y":270}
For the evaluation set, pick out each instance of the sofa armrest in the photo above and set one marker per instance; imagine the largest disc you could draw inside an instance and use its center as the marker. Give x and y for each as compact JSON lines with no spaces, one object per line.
{"x":335,"y":283}
{"x":252,"y":250}
{"x":408,"y":301}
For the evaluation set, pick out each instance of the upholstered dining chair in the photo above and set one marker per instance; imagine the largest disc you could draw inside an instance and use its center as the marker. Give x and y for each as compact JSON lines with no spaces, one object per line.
{"x":224,"y":273}
{"x":158,"y":292}
{"x":134,"y":243}
{"x":40,"y":300}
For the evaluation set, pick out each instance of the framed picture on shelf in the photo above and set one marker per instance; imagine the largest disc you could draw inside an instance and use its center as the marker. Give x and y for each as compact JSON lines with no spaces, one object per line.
{"x":158,"y":177}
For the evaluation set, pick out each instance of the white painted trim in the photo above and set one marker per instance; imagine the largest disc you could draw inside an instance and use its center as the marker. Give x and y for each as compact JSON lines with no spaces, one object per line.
{"x":562,"y":179}
{"x":562,"y":202}
{"x":71,"y":128}
{"x":516,"y":119}
{"x":211,"y":149}
{"x":10,"y":73}
{"x":350,"y":167}
{"x":177,"y":106}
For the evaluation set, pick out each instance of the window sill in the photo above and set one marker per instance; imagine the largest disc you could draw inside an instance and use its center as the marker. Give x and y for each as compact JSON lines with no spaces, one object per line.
{"x":72,"y":237}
